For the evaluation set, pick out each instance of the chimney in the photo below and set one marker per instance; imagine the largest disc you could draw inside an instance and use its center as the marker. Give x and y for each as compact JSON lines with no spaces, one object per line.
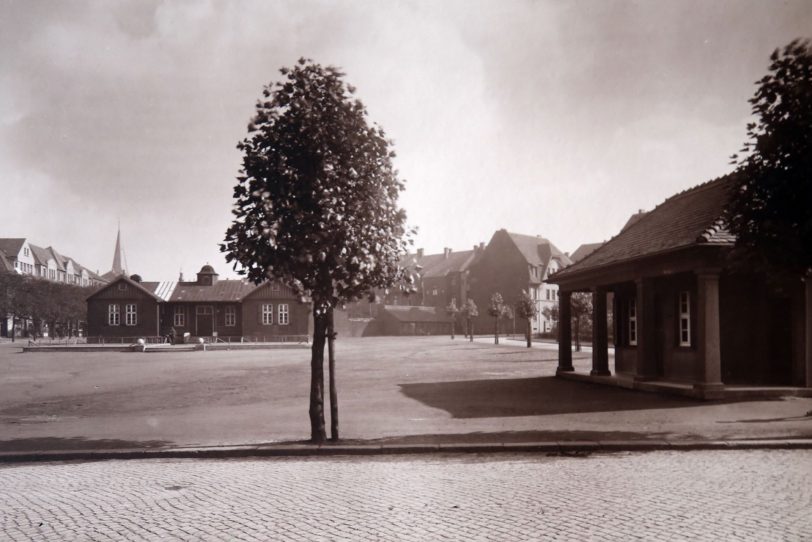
{"x":180,"y":276}
{"x":419,"y":252}
{"x":446,"y":252}
{"x":482,"y":245}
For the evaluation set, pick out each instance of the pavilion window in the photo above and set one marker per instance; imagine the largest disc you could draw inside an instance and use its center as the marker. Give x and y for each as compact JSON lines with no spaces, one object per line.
{"x":284,"y":314}
{"x":632,"y":321}
{"x":179,"y":318}
{"x":685,"y":318}
{"x":231,"y":316}
{"x":267,"y":314}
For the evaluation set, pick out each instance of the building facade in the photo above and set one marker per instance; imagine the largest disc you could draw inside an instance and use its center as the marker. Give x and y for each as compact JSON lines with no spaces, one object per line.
{"x":684,"y":319}
{"x":228,"y":310}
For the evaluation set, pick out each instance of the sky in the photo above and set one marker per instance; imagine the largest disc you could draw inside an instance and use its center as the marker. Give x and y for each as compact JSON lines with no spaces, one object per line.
{"x":549,"y":118}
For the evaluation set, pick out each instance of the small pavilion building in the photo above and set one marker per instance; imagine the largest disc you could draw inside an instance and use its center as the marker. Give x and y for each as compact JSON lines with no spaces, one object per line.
{"x":684,"y":320}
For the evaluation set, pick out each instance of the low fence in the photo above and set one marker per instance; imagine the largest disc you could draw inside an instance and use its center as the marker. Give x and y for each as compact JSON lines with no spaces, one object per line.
{"x":187,"y":340}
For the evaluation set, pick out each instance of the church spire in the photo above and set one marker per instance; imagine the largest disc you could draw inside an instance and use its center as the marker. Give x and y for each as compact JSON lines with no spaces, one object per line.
{"x":119,"y":260}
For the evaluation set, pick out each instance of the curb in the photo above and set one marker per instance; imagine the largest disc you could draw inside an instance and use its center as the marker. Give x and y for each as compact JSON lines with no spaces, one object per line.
{"x":329,"y":450}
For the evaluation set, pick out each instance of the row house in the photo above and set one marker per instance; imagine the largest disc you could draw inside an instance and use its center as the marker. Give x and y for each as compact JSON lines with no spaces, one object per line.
{"x":45,"y":263}
{"x":208,"y":307}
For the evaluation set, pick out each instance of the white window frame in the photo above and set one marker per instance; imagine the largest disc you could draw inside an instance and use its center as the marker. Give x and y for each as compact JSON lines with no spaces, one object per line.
{"x":283,"y":314}
{"x":113,"y":315}
{"x":632,"y":321}
{"x":267,"y":314}
{"x":230,"y":316}
{"x":130,"y":314}
{"x":685,"y":318}
{"x":179,"y":317}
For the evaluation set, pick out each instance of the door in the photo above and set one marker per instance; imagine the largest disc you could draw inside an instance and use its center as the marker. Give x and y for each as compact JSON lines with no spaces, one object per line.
{"x":204,"y":324}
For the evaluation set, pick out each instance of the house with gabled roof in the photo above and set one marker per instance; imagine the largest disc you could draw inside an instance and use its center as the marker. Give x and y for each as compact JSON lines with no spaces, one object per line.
{"x":512,"y":263}
{"x":208,"y":307}
{"x":685,"y":321}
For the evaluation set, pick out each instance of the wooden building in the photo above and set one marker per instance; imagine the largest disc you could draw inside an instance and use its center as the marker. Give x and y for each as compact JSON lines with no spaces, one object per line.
{"x":685,"y":321}
{"x":230,"y":310}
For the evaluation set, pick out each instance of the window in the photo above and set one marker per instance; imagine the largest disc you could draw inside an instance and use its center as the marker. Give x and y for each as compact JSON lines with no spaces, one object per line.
{"x":179,"y":319}
{"x":633,"y":322}
{"x":685,"y":318}
{"x":130,"y":315}
{"x":26,"y":252}
{"x":113,"y":315}
{"x":204,"y":309}
{"x":231,"y":316}
{"x":267,"y":314}
{"x":283,"y":318}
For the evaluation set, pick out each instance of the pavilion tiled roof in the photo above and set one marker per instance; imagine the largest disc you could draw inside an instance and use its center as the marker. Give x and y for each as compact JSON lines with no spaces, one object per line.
{"x":690,"y":218}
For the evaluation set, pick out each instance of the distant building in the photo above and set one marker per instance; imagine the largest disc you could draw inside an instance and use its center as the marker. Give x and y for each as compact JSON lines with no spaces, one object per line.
{"x":511,"y":263}
{"x":207,"y":307}
{"x":583,"y":251}
{"x":683,"y":320}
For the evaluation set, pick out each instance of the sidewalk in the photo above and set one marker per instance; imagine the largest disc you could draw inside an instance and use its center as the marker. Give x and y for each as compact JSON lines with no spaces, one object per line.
{"x":411,"y":395}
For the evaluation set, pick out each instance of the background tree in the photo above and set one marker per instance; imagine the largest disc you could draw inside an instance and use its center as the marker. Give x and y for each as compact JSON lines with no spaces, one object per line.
{"x":495,"y":309}
{"x":452,"y":310}
{"x":581,"y":312}
{"x":508,"y":314}
{"x":770,"y":208}
{"x":470,"y":311}
{"x":316,"y":205}
{"x":526,"y":308}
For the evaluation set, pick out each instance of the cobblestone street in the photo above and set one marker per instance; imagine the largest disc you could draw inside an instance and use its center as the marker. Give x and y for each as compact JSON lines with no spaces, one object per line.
{"x":741,"y":495}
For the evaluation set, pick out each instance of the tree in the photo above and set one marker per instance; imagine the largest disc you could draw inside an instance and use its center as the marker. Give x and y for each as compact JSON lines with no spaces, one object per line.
{"x":470,"y":310}
{"x":770,"y":207}
{"x":316,"y":206}
{"x":451,"y":310}
{"x":508,"y":314}
{"x":495,"y":309}
{"x":526,"y":308}
{"x":581,"y":311}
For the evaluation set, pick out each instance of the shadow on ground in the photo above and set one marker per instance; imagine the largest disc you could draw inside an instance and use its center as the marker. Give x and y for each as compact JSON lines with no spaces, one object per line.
{"x":77,"y":443}
{"x":506,"y":397}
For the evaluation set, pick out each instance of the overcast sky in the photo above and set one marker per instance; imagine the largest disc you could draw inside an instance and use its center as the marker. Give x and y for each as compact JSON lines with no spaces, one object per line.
{"x":551,"y":118}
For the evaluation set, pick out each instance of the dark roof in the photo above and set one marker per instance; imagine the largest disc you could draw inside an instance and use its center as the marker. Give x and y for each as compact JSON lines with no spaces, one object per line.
{"x":439,"y":265}
{"x":537,"y":250}
{"x":207,"y":269}
{"x":41,"y":256}
{"x":11,"y":246}
{"x":222,"y":290}
{"x":584,"y":250}
{"x":406,"y":313}
{"x":692,"y":217}
{"x":129,"y":281}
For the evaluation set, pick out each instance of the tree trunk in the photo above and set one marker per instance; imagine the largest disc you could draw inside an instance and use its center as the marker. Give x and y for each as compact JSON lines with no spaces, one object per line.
{"x":317,"y":430}
{"x":331,"y":350}
{"x":496,"y":330}
{"x":578,"y":334}
{"x":529,"y":334}
{"x":470,"y":330}
{"x":452,"y":328}
{"x":13,"y":328}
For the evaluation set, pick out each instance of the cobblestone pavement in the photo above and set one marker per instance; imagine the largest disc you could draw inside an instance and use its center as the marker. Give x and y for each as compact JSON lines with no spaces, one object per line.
{"x":728,"y":495}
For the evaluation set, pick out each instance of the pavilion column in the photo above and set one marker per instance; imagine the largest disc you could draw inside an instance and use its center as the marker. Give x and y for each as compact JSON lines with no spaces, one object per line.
{"x":564,"y":332}
{"x":600,"y":334}
{"x":708,"y":343}
{"x":808,"y":328}
{"x":646,"y":368}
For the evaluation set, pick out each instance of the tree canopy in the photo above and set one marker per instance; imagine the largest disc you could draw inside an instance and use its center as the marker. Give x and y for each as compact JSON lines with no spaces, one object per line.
{"x":770,"y":209}
{"x":316,"y":204}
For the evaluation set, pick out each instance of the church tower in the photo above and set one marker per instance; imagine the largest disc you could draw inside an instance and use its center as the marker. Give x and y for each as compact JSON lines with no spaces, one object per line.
{"x":119,"y":260}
